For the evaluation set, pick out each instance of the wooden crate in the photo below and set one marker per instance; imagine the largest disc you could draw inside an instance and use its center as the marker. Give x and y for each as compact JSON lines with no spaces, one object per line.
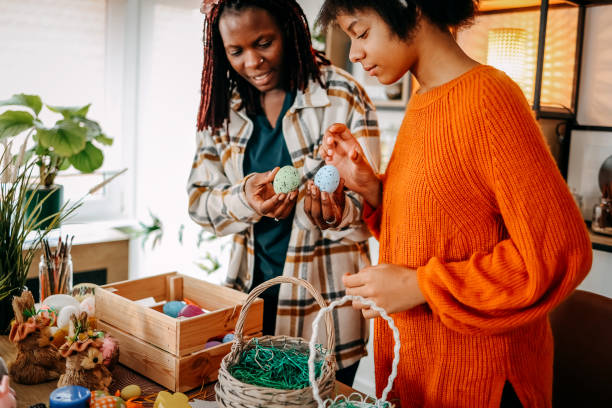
{"x":167,"y":350}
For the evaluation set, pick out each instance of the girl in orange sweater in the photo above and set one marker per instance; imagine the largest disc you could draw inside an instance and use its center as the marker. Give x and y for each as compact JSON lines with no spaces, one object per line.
{"x":479,"y":236}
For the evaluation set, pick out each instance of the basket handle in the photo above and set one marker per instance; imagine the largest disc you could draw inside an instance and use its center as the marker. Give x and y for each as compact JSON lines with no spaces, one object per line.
{"x":258,"y":290}
{"x":396,"y":347}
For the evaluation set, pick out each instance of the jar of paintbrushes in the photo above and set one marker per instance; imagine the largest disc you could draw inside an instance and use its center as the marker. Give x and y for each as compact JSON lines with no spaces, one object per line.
{"x":55,"y":268}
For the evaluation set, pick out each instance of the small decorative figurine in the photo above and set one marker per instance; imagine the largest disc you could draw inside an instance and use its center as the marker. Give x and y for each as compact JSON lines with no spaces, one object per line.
{"x":84,"y":359}
{"x":37,"y":359}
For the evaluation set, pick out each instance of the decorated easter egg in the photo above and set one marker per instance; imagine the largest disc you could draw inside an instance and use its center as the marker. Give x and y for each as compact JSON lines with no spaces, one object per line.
{"x":60,"y":301}
{"x":212,"y":343}
{"x":286,"y":180}
{"x":63,"y":318}
{"x":327,"y":178}
{"x":228,"y":337}
{"x":131,"y":391}
{"x":50,"y":312}
{"x":190,"y":311}
{"x":89,"y":305}
{"x":173,"y":308}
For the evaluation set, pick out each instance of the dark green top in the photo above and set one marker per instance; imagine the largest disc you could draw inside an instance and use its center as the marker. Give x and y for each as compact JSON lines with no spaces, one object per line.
{"x":265,"y":150}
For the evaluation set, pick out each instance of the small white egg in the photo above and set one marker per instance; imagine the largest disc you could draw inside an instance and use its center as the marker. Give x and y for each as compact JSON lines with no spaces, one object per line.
{"x":63,"y":318}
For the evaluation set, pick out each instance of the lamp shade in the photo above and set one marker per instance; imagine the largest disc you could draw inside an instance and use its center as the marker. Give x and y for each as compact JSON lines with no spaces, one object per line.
{"x":507,"y":50}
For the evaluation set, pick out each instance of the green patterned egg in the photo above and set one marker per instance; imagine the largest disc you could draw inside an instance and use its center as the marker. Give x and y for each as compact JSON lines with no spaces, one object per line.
{"x":287,"y":179}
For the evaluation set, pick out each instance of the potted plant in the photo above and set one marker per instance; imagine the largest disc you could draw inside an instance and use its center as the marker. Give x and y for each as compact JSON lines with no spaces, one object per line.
{"x":20,"y":232}
{"x":71,"y":141}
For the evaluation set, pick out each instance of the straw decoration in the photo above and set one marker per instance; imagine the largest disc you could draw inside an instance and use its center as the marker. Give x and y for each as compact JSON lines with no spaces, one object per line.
{"x":284,"y":368}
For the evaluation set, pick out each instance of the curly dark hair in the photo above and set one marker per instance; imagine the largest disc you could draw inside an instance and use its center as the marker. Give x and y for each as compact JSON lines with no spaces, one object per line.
{"x":219,"y":80}
{"x":402,"y":15}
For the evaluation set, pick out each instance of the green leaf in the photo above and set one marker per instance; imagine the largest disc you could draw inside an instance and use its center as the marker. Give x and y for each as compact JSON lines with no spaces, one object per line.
{"x":66,"y":138}
{"x":70,"y":111}
{"x":130,"y":231}
{"x":13,"y":123}
{"x":105,"y":140}
{"x":64,"y":164}
{"x":88,"y":160}
{"x":93,"y":127}
{"x":40,"y":150}
{"x":31,"y":101}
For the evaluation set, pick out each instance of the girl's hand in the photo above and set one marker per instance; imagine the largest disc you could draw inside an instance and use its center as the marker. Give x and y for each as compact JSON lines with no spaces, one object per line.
{"x":323,"y":209}
{"x":392,"y":287}
{"x":261,"y":196}
{"x":341,"y":149}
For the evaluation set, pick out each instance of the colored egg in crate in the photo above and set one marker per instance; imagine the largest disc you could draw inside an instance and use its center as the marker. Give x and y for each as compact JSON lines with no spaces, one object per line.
{"x":212,"y":343}
{"x":173,"y":308}
{"x":190,"y":311}
{"x":228,"y":337}
{"x":327,"y":178}
{"x":286,"y":180}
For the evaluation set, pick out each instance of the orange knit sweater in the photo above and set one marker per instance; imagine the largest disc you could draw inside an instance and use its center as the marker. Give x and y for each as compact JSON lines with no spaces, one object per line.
{"x":473,"y":200}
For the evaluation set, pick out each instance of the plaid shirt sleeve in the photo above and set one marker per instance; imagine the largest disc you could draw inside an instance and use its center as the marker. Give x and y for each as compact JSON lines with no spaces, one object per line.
{"x":215,"y":203}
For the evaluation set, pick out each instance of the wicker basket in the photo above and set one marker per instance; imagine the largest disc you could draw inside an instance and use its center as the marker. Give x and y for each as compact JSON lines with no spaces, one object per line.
{"x":232,"y":393}
{"x":355,"y":399}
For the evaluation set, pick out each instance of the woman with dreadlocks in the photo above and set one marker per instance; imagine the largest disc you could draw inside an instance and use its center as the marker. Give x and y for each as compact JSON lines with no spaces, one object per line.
{"x":267,"y":98}
{"x":479,"y":235}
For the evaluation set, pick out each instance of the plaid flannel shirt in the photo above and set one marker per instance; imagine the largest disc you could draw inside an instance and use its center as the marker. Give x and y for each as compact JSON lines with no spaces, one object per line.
{"x":218,"y":203}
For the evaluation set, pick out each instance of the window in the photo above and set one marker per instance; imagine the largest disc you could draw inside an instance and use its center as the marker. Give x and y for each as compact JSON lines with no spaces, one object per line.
{"x":67,"y":51}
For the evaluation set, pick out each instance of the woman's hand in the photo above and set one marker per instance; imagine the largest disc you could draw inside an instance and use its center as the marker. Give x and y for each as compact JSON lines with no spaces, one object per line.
{"x":341,"y":149}
{"x":392,"y":287}
{"x":323,"y":209}
{"x":261,"y":196}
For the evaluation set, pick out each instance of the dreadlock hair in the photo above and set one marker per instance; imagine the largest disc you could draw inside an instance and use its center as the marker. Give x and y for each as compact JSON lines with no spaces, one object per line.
{"x":219,"y":80}
{"x":402,"y":15}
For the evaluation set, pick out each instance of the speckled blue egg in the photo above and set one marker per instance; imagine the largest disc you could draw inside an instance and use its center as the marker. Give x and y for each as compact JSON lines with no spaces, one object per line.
{"x":286,"y":180}
{"x":228,"y":337}
{"x":173,"y":308}
{"x":327,"y":178}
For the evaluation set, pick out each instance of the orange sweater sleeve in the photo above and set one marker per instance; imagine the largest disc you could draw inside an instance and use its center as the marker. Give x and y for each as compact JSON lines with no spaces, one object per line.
{"x":371,"y":217}
{"x":548,"y":252}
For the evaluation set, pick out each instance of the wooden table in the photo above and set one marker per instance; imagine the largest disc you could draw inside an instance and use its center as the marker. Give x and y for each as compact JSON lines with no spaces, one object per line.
{"x":28,"y":395}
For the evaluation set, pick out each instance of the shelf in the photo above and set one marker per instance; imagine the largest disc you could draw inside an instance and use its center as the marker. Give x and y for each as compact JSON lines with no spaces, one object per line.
{"x":549,"y":112}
